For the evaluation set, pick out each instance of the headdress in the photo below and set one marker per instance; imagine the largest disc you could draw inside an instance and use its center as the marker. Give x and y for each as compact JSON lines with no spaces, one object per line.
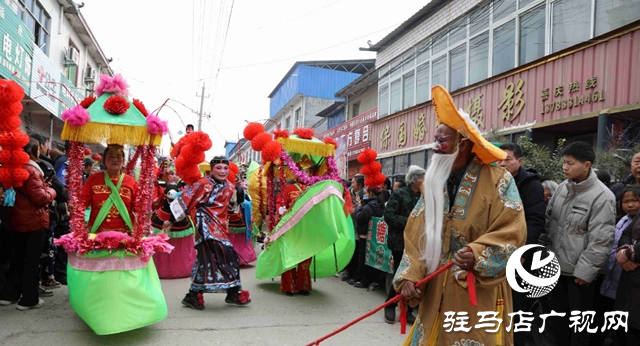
{"x":458,"y":120}
{"x":112,"y":118}
{"x":219,"y":159}
{"x":371,"y":169}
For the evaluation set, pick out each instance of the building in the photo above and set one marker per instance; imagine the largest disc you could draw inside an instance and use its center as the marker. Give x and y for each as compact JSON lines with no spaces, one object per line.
{"x":545,"y":69}
{"x":359,"y":109}
{"x":50,"y":51}
{"x":305,"y":91}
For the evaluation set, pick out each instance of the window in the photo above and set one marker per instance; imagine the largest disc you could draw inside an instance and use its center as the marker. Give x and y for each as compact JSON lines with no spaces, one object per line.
{"x":37,"y":21}
{"x":387,"y":166}
{"x":504,"y":47}
{"x":422,"y":83}
{"x":479,"y":20}
{"x":401,"y":164}
{"x":396,"y":68}
{"x":72,"y":69}
{"x":612,"y":14}
{"x":439,"y":42}
{"x":458,"y":31}
{"x":503,"y":8}
{"x":523,"y":3}
{"x":383,"y":100}
{"x":417,"y":159}
{"x":439,"y":71}
{"x":298,"y":117}
{"x":571,"y":23}
{"x":407,"y":94}
{"x":395,"y":99}
{"x":458,"y":65}
{"x":423,"y":52}
{"x":478,"y":58}
{"x":383,"y":75}
{"x":532,"y":35}
{"x":355,"y":110}
{"x":287,"y":124}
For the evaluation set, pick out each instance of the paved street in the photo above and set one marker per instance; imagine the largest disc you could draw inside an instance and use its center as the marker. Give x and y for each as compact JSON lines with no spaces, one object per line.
{"x":271,"y":319}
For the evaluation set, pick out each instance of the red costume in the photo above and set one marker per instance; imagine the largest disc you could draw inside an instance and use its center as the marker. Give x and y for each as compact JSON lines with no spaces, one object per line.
{"x":95,"y":193}
{"x":297,"y":279}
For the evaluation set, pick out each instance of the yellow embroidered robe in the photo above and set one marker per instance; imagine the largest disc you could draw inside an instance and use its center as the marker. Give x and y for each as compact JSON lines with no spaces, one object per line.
{"x":488,"y":217}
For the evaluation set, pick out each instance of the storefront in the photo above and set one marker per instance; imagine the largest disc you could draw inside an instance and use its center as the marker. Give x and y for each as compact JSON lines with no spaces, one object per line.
{"x":357,"y":137}
{"x":589,"y":93}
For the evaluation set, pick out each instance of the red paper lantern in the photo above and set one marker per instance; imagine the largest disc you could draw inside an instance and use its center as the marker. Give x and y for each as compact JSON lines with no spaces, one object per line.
{"x":87,"y":151}
{"x":96,"y":157}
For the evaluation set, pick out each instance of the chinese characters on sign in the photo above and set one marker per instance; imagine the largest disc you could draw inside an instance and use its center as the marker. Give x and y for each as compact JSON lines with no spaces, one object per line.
{"x":420,"y":128}
{"x":579,"y":321}
{"x":402,"y":134}
{"x":513,"y":101}
{"x":474,"y":109}
{"x":385,"y":137}
{"x":17,"y":47}
{"x":356,"y":132}
{"x":572,"y":100}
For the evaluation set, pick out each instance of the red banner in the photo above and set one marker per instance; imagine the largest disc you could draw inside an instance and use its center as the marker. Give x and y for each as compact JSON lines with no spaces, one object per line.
{"x":357,"y":131}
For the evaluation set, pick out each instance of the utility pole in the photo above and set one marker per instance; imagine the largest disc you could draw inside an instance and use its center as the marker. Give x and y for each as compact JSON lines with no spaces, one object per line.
{"x":202,"y":97}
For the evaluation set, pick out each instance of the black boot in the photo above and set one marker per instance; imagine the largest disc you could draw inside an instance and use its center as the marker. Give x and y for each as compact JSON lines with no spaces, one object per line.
{"x":194,"y":300}
{"x":390,"y":314}
{"x":410,"y":317}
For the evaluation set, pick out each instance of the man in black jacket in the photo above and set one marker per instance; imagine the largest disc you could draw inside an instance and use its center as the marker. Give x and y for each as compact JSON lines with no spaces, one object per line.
{"x":396,"y":214}
{"x":532,"y":195}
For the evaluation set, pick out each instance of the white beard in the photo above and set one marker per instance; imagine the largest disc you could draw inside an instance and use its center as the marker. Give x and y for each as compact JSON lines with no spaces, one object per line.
{"x":434,"y":184}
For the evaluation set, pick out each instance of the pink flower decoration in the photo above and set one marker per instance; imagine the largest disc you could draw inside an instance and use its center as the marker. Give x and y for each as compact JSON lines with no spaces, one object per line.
{"x":116,"y":85}
{"x":76,"y":116}
{"x":155,"y":126}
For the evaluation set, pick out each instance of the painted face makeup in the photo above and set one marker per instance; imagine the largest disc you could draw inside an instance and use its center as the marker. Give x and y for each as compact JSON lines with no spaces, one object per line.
{"x":220,"y":171}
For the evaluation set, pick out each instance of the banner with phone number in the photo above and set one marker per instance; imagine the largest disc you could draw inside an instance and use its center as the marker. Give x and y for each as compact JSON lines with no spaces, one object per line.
{"x":378,"y":254}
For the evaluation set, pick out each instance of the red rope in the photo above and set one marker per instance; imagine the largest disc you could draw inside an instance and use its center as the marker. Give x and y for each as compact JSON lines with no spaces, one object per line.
{"x":397,"y":298}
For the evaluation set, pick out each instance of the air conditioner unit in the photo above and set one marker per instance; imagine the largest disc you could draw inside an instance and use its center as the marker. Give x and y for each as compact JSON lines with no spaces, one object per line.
{"x":72,"y":56}
{"x":89,"y":75}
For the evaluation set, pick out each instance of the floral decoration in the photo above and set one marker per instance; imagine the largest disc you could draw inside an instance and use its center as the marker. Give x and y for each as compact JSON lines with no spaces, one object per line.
{"x":304,"y":133}
{"x":116,"y":105}
{"x":76,"y":116}
{"x":155,"y":126}
{"x":243,"y":297}
{"x":88,"y":101}
{"x":81,"y":243}
{"x":115,"y":85}
{"x":140,"y":106}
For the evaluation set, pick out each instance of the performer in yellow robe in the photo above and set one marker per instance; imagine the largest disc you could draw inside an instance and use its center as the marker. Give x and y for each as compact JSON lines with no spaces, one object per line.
{"x":466,"y":203}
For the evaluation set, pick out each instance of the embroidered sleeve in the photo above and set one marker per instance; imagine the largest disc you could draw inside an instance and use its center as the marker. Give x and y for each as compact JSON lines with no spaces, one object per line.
{"x":507,"y":230}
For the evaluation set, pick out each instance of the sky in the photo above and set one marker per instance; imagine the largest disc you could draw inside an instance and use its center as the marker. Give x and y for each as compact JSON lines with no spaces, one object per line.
{"x":239,"y":50}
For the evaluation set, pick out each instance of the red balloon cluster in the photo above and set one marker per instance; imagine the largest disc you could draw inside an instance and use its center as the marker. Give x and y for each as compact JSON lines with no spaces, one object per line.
{"x":262,"y":141}
{"x":371,"y":168}
{"x":12,"y":157}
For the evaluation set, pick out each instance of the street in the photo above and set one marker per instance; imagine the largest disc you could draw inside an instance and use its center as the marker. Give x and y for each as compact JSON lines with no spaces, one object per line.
{"x":271,"y":319}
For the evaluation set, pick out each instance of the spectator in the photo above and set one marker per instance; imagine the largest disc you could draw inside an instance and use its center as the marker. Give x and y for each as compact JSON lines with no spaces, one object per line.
{"x":532,"y":196}
{"x":29,"y":219}
{"x":632,"y":179}
{"x":604,"y":176}
{"x":61,"y":164}
{"x":87,"y":170}
{"x":372,"y":205}
{"x":357,"y":194}
{"x":398,"y":184}
{"x":49,"y":250}
{"x":396,"y":214}
{"x":580,"y":222}
{"x":606,"y":292}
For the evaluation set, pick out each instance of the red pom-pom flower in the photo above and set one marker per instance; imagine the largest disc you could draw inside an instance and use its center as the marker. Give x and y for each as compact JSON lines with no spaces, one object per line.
{"x":330,"y":140}
{"x":304,"y":133}
{"x":252,"y":130}
{"x":88,"y":101}
{"x":10,"y":92}
{"x":281,"y":134}
{"x":76,"y":116}
{"x":15,"y":138}
{"x":116,"y":105}
{"x":366,"y":156}
{"x":140,"y":106}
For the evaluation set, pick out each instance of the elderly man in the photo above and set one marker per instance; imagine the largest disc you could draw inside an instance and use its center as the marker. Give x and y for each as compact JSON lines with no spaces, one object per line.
{"x":469,"y":213}
{"x":396,"y":214}
{"x":632,"y":179}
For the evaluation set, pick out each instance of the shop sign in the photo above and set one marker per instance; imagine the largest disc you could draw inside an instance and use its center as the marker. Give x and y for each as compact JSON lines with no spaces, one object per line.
{"x":572,"y":96}
{"x":45,"y":82}
{"x":69,"y":94}
{"x":17,"y":46}
{"x":357,"y":132}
